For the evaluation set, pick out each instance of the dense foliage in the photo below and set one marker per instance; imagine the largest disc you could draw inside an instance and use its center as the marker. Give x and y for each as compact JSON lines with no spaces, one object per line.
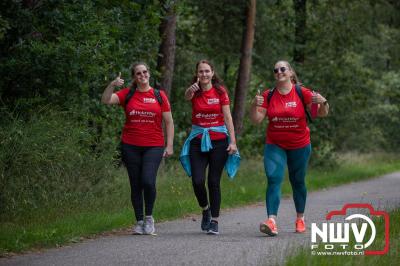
{"x":56,"y":57}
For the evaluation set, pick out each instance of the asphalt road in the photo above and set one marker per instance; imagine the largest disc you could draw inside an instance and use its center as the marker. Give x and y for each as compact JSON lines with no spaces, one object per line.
{"x":181,"y":242}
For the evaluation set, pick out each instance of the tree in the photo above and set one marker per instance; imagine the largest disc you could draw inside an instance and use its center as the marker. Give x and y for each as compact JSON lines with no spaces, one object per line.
{"x":300,"y":30}
{"x":166,"y":54}
{"x":245,"y":66}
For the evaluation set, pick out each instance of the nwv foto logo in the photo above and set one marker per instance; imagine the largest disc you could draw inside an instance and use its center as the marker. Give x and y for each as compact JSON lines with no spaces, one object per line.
{"x":336,"y":236}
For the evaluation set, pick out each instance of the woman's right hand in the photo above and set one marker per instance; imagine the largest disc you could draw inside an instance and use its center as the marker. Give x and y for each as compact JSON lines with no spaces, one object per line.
{"x":259,"y":99}
{"x":189,"y":93}
{"x":118,"y":82}
{"x":194,"y":87}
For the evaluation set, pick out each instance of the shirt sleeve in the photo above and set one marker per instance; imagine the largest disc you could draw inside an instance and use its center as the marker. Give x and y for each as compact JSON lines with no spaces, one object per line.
{"x":224,"y":98}
{"x":307,"y":94}
{"x":165,"y":106}
{"x":122,"y":95}
{"x":265,"y":95}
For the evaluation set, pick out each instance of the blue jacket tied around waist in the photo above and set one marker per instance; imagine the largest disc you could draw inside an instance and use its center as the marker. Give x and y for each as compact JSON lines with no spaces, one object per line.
{"x":232,"y":163}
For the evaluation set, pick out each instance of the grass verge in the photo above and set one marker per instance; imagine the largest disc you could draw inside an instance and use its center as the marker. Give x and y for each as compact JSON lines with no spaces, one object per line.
{"x":64,"y":224}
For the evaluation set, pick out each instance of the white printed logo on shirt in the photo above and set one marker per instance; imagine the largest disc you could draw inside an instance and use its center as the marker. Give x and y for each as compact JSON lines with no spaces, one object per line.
{"x":213,"y":101}
{"x":206,"y":116}
{"x":142,"y":113}
{"x":149,"y":100}
{"x":291,"y":104}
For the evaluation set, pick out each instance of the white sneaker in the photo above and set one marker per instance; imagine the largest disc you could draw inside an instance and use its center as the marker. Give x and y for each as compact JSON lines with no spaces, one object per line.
{"x":138,"y":228}
{"x":149,"y":225}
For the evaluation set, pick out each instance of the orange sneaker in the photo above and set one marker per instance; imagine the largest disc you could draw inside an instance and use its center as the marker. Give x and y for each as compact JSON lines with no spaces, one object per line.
{"x":300,"y":225}
{"x":269,"y":227}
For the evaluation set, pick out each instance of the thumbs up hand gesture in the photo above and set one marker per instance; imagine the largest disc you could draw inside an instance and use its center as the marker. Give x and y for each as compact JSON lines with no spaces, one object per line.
{"x":118,"y":82}
{"x":195,"y":86}
{"x":258,"y":99}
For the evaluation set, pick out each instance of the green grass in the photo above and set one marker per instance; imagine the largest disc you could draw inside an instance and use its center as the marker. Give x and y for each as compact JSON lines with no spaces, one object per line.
{"x":175,"y":198}
{"x":304,"y":257}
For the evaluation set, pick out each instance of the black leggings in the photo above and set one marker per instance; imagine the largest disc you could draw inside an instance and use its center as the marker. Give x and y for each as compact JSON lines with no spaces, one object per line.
{"x":215,"y":159}
{"x":142,"y":164}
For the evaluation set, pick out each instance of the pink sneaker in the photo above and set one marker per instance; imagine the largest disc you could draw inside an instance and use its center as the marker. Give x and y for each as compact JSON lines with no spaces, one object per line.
{"x":269,"y":227}
{"x":300,"y":225}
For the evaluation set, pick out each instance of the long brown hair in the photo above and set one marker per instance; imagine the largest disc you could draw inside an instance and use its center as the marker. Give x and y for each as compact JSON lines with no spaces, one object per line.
{"x":216,"y":81}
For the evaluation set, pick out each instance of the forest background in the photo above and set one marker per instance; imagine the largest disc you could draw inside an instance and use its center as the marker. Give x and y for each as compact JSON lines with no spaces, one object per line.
{"x":58,"y":143}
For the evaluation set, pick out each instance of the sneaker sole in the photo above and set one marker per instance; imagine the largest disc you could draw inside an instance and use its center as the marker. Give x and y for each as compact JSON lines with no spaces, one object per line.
{"x":212,"y":233}
{"x":266,"y":230}
{"x":137,"y":233}
{"x":150,"y":233}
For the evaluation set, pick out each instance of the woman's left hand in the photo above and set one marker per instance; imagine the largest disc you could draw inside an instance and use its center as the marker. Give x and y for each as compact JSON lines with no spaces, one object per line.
{"x":318,"y":98}
{"x":232,"y":148}
{"x":168,"y":151}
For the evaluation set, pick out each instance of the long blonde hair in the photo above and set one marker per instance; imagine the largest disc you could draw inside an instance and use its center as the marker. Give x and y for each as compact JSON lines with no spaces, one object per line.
{"x":294,"y":79}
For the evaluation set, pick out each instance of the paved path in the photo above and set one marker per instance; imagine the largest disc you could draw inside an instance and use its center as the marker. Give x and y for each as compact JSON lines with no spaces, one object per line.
{"x":180,"y":242}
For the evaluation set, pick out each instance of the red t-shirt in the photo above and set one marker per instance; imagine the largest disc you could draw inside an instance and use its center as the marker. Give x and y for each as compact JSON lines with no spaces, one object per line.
{"x":287,"y":125}
{"x":143,"y":124}
{"x":207,"y":111}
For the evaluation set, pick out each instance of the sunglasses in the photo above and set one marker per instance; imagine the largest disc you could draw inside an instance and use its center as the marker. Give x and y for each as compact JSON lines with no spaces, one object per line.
{"x":282,"y":70}
{"x":144,"y":72}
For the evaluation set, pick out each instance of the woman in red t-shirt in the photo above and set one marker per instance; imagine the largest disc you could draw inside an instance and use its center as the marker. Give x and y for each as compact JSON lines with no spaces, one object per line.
{"x":287,"y":140}
{"x":210,"y":109}
{"x":142,"y":139}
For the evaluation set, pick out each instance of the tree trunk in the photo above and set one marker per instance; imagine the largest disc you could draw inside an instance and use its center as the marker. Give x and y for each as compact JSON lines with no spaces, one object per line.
{"x":300,"y":30}
{"x":244,"y":67}
{"x":166,"y":54}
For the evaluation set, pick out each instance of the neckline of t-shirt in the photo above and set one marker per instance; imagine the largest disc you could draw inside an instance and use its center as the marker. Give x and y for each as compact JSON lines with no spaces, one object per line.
{"x":212,"y":87}
{"x":137,"y":90}
{"x":284,"y":95}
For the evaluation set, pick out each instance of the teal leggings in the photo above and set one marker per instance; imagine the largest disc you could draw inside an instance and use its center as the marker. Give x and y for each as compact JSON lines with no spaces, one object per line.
{"x":275,"y":160}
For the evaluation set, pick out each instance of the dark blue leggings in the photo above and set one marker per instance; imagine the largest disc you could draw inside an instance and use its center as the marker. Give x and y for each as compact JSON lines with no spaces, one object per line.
{"x":142,"y":164}
{"x":275,"y":160}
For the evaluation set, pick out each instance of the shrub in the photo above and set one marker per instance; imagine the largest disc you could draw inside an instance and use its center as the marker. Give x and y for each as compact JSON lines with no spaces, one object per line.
{"x":47,"y":160}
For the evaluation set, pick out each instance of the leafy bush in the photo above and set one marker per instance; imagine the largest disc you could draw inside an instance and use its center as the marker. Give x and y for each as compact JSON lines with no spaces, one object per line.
{"x":323,"y":156}
{"x":64,"y":50}
{"x":48,"y":160}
